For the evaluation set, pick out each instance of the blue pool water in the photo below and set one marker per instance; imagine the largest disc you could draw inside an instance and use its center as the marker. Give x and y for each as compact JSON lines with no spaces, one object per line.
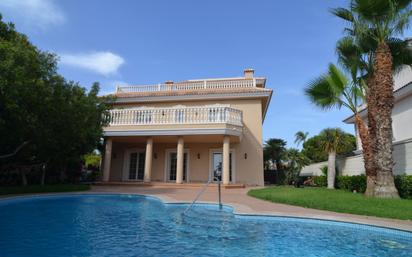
{"x":124,"y":225}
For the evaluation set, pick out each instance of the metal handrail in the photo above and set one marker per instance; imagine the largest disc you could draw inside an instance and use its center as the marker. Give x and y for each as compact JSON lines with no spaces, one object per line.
{"x":197,"y":196}
{"x":202,"y":191}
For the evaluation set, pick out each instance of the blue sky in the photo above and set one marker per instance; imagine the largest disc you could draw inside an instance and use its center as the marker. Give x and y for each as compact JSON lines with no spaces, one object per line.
{"x":147,"y":42}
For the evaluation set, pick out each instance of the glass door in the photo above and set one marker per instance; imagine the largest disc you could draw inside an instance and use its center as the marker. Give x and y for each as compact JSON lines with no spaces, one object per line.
{"x":136,"y":166}
{"x":173,"y":166}
{"x":217,"y":167}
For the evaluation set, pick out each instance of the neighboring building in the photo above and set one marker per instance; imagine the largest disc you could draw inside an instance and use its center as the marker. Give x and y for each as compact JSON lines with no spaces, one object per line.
{"x":188,"y":131}
{"x":402,"y":133}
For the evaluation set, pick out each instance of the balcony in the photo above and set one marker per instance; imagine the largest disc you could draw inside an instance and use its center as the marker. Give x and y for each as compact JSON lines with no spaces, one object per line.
{"x":180,"y":120}
{"x":195,"y":85}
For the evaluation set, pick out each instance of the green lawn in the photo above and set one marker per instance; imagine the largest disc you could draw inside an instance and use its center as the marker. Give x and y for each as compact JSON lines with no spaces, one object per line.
{"x":42,"y":189}
{"x":336,"y":200}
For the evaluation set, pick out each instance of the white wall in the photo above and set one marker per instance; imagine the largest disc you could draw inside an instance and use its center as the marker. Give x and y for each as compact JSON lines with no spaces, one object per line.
{"x":402,"y":78}
{"x":402,"y":155}
{"x":402,"y":119}
{"x":402,"y":111}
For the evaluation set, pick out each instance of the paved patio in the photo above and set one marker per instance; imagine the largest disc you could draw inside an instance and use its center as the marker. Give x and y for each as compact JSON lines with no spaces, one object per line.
{"x":244,"y":204}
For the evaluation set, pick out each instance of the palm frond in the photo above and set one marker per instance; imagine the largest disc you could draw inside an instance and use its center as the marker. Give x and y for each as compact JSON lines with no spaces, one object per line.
{"x":333,"y":139}
{"x":401,"y":53}
{"x":372,"y":9}
{"x":343,"y":14}
{"x":321,"y":93}
{"x":340,"y":81}
{"x":401,"y":22}
{"x":402,"y":4}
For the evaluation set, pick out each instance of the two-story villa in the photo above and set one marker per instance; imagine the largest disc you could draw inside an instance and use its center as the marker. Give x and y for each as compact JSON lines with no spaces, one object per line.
{"x":189,"y":131}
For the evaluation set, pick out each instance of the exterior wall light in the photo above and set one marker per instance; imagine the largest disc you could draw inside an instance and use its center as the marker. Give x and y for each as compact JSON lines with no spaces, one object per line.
{"x":198,"y":155}
{"x":245,"y":155}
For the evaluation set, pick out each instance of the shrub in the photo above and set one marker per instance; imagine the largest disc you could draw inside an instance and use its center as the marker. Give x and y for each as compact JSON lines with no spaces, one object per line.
{"x":320,"y":181}
{"x":93,"y":176}
{"x":351,"y":183}
{"x":404,"y":185}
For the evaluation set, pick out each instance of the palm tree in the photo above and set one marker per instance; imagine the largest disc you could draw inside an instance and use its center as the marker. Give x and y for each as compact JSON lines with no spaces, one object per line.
{"x":333,"y":140}
{"x":334,"y":90}
{"x":376,"y":24}
{"x":274,"y":150}
{"x":355,"y":58}
{"x":296,"y":160}
{"x":300,"y":137}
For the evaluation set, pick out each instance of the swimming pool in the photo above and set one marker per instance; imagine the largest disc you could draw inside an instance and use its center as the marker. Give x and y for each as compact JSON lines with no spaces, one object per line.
{"x":126,"y":225}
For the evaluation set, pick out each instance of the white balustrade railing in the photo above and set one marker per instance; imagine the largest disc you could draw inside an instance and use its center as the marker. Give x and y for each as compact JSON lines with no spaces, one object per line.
{"x":190,"y":85}
{"x":181,"y":115}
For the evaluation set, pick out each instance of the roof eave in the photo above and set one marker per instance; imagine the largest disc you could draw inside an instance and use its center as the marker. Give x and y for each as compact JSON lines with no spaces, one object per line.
{"x":399,"y":94}
{"x":267,"y":106}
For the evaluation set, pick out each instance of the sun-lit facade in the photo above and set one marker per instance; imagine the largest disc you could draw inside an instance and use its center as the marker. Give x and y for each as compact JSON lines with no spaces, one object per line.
{"x":187,"y":132}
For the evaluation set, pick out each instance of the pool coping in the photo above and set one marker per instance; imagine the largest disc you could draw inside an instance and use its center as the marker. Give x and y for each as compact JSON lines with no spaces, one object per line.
{"x":233,"y":208}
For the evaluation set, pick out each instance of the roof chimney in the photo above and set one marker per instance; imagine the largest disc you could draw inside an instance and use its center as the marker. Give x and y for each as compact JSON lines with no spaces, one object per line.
{"x":249,"y":73}
{"x":169,"y":82}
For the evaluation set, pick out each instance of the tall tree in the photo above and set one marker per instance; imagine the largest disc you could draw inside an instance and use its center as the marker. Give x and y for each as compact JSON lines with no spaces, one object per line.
{"x":274,"y":150}
{"x":378,"y":23}
{"x":332,"y":141}
{"x":47,"y":119}
{"x":353,"y":58}
{"x":295,"y":160}
{"x":335,"y":90}
{"x":313,"y":148}
{"x":300,"y":137}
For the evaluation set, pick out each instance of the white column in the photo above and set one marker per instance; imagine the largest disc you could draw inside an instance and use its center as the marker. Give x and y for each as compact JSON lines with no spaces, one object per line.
{"x":148,"y":160}
{"x":107,"y":160}
{"x":179,"y":165}
{"x":226,"y":160}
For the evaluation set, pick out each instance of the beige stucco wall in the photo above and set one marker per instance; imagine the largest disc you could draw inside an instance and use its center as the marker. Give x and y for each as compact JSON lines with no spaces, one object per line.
{"x":198,"y":168}
{"x":247,"y":171}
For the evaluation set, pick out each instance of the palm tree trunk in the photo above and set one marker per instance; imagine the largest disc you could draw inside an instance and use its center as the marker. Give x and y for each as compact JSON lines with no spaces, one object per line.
{"x":382,"y":100}
{"x":331,"y":170}
{"x":370,"y":171}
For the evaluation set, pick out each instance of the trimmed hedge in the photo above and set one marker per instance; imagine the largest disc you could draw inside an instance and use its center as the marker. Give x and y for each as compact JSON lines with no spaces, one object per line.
{"x":320,"y":181}
{"x":350,"y":183}
{"x":404,"y":185}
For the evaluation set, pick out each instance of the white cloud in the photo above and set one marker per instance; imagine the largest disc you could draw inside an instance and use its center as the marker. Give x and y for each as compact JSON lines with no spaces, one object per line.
{"x":105,"y":63}
{"x":40,"y":13}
